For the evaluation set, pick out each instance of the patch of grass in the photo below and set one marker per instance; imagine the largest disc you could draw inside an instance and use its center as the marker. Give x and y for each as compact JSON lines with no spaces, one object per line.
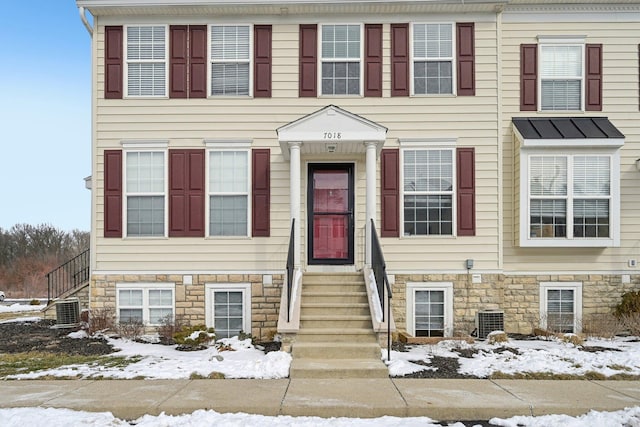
{"x":21,"y":363}
{"x":591,"y":375}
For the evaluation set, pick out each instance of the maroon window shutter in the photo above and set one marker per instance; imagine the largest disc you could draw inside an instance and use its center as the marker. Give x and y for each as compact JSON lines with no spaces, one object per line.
{"x":113,"y":193}
{"x":197,"y":61}
{"x":390,"y":192}
{"x":528,"y":77}
{"x":178,"y":61}
{"x":466,"y":179}
{"x":373,"y":60}
{"x":399,"y":59}
{"x":466,"y":59}
{"x":186,"y":193}
{"x":593,"y":73}
{"x":113,"y":62}
{"x":308,"y":61}
{"x":260,"y":192}
{"x":262,"y":61}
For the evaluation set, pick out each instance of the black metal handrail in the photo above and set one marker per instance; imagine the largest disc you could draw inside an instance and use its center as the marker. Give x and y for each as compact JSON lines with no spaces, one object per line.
{"x":290,"y":261}
{"x":379,"y":268}
{"x":69,"y":275}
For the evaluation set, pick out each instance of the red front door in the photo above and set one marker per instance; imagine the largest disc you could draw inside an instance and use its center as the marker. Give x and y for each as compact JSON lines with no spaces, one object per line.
{"x":331,"y":214}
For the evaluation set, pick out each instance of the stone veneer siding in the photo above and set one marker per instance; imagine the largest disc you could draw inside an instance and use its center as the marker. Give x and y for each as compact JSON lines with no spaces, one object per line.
{"x":190,"y":299}
{"x":518,"y":296}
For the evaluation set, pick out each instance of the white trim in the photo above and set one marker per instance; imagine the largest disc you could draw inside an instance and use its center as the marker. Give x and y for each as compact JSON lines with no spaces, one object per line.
{"x":125,"y":66}
{"x":125,"y":193}
{"x":245,"y":288}
{"x":546,"y":39}
{"x":576,"y":287}
{"x":446,"y":287}
{"x":569,"y":241}
{"x":145,"y":287}
{"x":577,"y":143}
{"x":321,"y":59}
{"x":250,"y":61}
{"x":144,"y":144}
{"x":422,"y":142}
{"x":454,"y":53}
{"x":231,"y":144}
{"x":183,"y":272}
{"x":208,"y":193}
{"x":454,"y":187}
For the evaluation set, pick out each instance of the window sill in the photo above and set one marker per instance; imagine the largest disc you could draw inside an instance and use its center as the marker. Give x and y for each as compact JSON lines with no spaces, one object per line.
{"x":567,"y":243}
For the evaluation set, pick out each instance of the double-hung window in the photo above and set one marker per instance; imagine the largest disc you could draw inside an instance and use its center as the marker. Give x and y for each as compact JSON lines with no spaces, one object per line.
{"x":145,"y":303}
{"x":570,"y":196}
{"x":228,"y":193}
{"x":230,"y":53}
{"x":428,"y":192}
{"x":341,"y":53}
{"x":432,"y":58}
{"x":145,"y":193}
{"x":146,"y":60}
{"x":561,"y":76}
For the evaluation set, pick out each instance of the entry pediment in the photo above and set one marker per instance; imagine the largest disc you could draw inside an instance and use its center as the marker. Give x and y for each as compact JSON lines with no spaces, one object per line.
{"x":331,"y":128}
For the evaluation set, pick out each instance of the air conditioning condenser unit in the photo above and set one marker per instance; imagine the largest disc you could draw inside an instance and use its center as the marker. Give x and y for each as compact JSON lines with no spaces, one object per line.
{"x":488,"y":321}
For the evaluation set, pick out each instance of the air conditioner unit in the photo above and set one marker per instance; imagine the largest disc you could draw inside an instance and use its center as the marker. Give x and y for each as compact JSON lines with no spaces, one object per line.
{"x":67,"y":313}
{"x":488,"y":321}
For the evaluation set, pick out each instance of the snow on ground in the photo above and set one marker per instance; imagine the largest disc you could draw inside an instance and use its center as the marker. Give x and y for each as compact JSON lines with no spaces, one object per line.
{"x":17,"y":307}
{"x":550,"y":355}
{"x":19,"y":417}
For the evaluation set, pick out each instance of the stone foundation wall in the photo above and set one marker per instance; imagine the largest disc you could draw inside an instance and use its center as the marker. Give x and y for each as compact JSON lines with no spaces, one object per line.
{"x":518,"y":296}
{"x":190,"y":298}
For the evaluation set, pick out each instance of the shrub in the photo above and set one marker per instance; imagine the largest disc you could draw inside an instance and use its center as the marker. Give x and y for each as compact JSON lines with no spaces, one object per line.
{"x":169,"y":326}
{"x":630,"y":304}
{"x":572,"y":339}
{"x":101,"y":320}
{"x":132,"y":329}
{"x":34,"y":302}
{"x":602,"y":325}
{"x":496,"y":337}
{"x":631,"y":322}
{"x":196,"y":337}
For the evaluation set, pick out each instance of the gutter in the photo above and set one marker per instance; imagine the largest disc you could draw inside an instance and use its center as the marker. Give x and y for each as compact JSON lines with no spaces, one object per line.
{"x":83,"y":17}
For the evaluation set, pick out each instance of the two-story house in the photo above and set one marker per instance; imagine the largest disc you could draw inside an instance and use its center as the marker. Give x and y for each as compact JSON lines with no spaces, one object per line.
{"x":490,"y":146}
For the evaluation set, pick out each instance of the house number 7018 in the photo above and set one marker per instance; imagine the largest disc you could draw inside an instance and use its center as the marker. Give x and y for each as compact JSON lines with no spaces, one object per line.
{"x":332,"y":135}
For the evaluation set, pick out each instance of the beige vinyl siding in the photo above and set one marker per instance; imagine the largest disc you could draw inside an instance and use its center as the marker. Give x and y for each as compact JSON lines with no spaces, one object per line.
{"x":186,"y":123}
{"x":620,"y":104}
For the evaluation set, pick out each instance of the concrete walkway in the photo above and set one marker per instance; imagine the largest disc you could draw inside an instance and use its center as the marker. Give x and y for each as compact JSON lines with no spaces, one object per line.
{"x":437,"y":399}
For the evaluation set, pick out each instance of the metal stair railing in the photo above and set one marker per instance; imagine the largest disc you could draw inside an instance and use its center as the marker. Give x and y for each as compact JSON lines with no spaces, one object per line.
{"x":379,"y":268}
{"x":68,"y":276}
{"x":290,"y":262}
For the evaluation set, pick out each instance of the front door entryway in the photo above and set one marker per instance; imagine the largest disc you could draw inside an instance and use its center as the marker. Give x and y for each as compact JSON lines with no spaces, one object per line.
{"x":330,"y":213}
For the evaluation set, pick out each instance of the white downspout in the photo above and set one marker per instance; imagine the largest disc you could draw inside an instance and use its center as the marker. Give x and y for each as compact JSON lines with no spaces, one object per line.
{"x":83,"y":17}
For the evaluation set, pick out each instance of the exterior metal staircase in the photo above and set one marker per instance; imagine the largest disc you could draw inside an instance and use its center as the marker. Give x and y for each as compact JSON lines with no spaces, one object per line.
{"x":69,"y":279}
{"x":336,"y":337}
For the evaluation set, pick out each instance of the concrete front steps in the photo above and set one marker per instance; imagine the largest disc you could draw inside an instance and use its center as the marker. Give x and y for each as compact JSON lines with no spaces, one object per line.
{"x":336,"y":338}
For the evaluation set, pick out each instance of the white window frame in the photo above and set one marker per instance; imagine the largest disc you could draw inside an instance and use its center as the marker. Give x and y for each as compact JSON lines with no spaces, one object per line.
{"x":210,"y":60}
{"x":413,"y":60}
{"x":135,"y":147}
{"x":127,"y":61}
{"x":212,"y":288}
{"x":576,"y":287}
{"x":360,"y":60}
{"x":569,"y":241}
{"x":145,"y":287}
{"x":446,"y":287}
{"x":420,"y":145}
{"x":224,"y":146}
{"x":576,"y":41}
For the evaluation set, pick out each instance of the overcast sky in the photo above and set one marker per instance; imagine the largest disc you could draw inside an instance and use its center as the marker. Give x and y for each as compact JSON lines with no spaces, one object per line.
{"x":45,"y":115}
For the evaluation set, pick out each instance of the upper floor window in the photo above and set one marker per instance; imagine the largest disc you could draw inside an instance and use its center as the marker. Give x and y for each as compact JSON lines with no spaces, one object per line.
{"x":228,"y":193}
{"x":341,"y":53}
{"x":561,"y":76}
{"x":428,"y":192}
{"x":432,"y":58}
{"x":146,"y":60}
{"x":230,"y":60}
{"x":145,"y":193}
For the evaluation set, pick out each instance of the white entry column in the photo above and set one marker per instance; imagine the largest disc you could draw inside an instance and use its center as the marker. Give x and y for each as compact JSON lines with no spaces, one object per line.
{"x":371,"y":196}
{"x":294,"y":197}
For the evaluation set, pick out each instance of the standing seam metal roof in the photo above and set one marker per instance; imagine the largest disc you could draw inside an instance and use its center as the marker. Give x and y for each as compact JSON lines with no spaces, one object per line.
{"x":566,"y":127}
